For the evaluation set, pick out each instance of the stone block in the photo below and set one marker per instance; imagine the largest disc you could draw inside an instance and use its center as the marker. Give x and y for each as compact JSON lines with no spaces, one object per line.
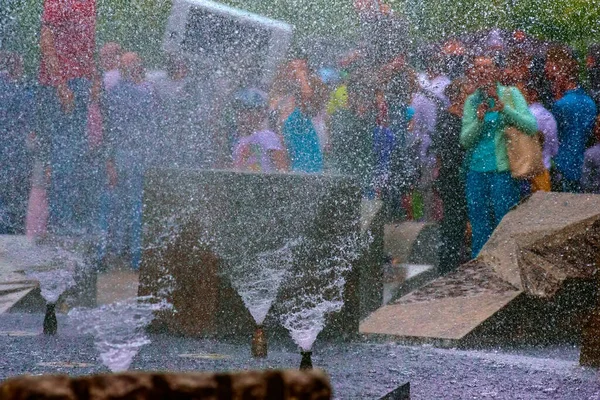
{"x":412,"y":242}
{"x":284,"y":385}
{"x":400,"y":393}
{"x":197,"y":224}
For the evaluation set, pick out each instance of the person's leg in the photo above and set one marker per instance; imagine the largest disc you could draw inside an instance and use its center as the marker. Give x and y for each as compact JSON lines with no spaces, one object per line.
{"x":120,"y":218}
{"x":79,"y":153}
{"x":136,"y":220}
{"x":51,"y":138}
{"x":453,"y":224}
{"x":505,"y":195}
{"x":105,"y":221}
{"x":61,"y":199}
{"x":569,"y":186}
{"x":479,"y":207}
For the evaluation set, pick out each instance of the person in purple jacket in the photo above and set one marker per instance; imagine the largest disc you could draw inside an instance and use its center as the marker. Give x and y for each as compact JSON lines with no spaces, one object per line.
{"x":520,"y":72}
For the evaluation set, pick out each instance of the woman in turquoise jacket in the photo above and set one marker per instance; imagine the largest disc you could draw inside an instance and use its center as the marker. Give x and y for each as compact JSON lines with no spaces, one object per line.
{"x":491,"y":190}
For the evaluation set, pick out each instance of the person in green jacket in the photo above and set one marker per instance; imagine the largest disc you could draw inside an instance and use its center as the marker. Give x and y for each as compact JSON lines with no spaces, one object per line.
{"x":491,"y":190}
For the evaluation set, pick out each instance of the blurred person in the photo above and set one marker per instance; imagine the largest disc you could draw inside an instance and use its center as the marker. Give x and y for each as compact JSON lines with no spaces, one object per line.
{"x":67,"y":44}
{"x":427,"y":103}
{"x":518,"y":73}
{"x":491,"y":191}
{"x":590,"y":176}
{"x":183,"y":144}
{"x":305,"y":100}
{"x":130,"y":114}
{"x":592,"y":63}
{"x":450,"y":182}
{"x":454,"y":60}
{"x":331,"y":79}
{"x":257,"y":149}
{"x":575,"y":114}
{"x":17,"y":122}
{"x":395,"y":86}
{"x":110,"y":58}
{"x":352,"y":148}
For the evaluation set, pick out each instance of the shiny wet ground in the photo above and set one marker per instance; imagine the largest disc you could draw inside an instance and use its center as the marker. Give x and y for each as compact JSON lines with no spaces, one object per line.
{"x":357,"y":370}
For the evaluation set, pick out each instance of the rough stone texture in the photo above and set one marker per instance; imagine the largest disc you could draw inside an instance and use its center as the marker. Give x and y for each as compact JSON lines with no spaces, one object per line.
{"x":550,"y":238}
{"x":544,"y":249}
{"x":250,"y":385}
{"x":199,"y":223}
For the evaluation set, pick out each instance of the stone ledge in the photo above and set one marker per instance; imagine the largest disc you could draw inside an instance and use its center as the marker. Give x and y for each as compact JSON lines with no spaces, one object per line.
{"x":284,"y":385}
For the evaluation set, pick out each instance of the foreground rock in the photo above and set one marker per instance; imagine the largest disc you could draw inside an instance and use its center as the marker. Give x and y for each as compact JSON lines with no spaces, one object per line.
{"x":250,"y":385}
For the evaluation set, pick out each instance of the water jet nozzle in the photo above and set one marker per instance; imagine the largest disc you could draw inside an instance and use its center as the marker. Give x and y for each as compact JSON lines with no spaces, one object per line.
{"x":50,"y":322}
{"x":259,"y":343}
{"x":306,"y":363}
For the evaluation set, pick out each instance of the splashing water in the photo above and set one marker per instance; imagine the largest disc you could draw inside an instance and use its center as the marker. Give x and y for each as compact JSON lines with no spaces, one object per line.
{"x":258,"y":279}
{"x":320,"y":290}
{"x":53,"y":283}
{"x":118,"y":328}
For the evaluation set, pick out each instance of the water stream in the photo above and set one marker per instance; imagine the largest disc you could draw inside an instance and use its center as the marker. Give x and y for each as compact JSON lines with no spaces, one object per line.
{"x":118,"y":328}
{"x":258,"y":278}
{"x":53,"y":283}
{"x":319,"y":289}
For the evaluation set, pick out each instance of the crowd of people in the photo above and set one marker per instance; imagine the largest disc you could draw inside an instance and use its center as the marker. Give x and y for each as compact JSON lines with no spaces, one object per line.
{"x":432,"y":139}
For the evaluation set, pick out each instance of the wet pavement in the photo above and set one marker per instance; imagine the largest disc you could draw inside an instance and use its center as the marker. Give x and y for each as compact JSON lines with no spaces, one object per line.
{"x":357,"y":370}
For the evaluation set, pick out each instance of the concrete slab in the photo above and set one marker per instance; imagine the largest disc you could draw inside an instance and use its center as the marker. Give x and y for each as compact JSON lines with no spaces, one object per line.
{"x":9,"y":300}
{"x":412,"y":242}
{"x":400,"y":393}
{"x":446,"y":318}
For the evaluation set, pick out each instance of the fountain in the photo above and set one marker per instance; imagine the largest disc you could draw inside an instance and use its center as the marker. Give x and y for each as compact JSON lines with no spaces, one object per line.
{"x":257,"y":280}
{"x":53,"y":284}
{"x":207,"y":232}
{"x":118,"y":328}
{"x":319,"y":288}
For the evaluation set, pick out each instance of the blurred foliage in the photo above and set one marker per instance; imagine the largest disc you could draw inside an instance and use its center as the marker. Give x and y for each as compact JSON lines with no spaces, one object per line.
{"x":310,"y":17}
{"x":436,"y":19}
{"x":139,"y":24}
{"x":576,"y":22}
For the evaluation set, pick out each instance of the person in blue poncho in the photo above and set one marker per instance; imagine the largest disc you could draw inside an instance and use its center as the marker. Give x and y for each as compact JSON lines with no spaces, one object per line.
{"x":299,"y":133}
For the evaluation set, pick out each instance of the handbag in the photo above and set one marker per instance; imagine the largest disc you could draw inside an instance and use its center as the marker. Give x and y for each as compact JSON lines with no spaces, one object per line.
{"x":524,"y":152}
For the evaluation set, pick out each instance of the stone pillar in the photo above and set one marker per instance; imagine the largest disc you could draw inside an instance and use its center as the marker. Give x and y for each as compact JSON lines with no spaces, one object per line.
{"x":590,"y":340}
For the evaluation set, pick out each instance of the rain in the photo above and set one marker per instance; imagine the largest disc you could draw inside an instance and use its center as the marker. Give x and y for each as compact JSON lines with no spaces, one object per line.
{"x":343,"y":199}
